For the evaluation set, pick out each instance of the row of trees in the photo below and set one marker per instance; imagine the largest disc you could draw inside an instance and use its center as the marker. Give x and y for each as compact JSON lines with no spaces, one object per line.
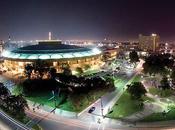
{"x":41,"y":69}
{"x":13,"y":105}
{"x":72,"y":87}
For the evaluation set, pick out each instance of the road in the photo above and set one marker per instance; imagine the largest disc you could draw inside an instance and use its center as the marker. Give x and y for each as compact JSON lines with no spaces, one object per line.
{"x":8,"y":123}
{"x":55,"y":122}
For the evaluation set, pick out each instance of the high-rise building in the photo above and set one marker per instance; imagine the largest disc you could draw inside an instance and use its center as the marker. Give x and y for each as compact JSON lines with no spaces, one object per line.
{"x":1,"y":47}
{"x":149,"y":43}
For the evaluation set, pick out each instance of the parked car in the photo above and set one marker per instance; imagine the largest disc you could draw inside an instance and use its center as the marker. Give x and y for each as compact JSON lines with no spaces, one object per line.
{"x":91,"y":110}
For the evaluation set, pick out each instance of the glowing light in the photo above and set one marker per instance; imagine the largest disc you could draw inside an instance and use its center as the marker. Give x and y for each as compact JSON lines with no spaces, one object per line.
{"x":96,"y":51}
{"x":33,"y":57}
{"x":44,"y":57}
{"x":153,"y":34}
{"x":5,"y":53}
{"x":56,"y":56}
{"x":13,"y":55}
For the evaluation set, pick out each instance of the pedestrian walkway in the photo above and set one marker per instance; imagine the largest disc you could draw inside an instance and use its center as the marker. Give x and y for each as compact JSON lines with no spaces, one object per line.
{"x":149,"y":108}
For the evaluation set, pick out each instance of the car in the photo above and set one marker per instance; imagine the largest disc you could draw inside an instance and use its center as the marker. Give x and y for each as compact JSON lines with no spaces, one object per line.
{"x":91,"y":109}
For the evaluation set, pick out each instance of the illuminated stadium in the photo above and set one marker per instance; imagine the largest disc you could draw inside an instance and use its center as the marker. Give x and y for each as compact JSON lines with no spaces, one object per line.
{"x":55,"y":53}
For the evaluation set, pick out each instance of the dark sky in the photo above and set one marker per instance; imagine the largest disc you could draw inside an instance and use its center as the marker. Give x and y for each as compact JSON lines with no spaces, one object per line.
{"x":86,"y":19}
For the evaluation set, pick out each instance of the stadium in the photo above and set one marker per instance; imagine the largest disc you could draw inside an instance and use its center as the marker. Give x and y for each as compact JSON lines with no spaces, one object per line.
{"x":55,"y":53}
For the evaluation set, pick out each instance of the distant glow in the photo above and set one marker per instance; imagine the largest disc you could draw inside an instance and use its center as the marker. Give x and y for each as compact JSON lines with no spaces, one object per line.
{"x":96,"y":50}
{"x":90,"y":43}
{"x":153,"y":34}
{"x":5,"y":53}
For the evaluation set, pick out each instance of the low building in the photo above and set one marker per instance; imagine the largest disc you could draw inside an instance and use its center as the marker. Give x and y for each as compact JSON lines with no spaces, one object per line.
{"x":109,"y":53}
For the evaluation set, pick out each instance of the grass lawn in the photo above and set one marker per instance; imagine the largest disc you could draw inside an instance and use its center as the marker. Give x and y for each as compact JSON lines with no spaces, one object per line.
{"x":90,"y":71}
{"x":36,"y":127}
{"x":43,"y":98}
{"x":86,"y":100}
{"x":160,"y":117}
{"x":124,"y":107}
{"x":161,"y":93}
{"x":137,"y":78}
{"x":120,"y":82}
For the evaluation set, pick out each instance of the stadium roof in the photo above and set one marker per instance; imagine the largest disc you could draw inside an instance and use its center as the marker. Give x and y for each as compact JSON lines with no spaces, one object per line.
{"x":50,"y":51}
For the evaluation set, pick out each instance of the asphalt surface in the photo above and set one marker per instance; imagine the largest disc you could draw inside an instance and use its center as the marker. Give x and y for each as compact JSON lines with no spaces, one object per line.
{"x":8,"y":123}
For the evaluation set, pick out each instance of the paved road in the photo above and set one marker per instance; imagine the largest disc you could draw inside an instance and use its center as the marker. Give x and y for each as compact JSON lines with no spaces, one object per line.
{"x":55,"y":122}
{"x":8,"y":123}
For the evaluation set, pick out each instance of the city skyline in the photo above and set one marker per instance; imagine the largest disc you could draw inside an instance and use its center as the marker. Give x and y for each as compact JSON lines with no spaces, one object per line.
{"x":89,"y":20}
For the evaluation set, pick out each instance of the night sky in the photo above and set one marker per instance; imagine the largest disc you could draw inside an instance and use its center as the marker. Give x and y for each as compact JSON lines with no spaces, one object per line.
{"x":86,"y":19}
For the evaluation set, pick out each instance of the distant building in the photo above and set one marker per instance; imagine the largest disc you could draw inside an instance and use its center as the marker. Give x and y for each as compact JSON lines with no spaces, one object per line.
{"x":149,"y":43}
{"x":110,"y":53}
{"x":1,"y":48}
{"x":129,"y":46}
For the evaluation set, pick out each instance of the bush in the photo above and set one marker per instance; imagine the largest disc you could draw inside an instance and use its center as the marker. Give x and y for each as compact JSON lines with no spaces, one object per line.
{"x":86,"y":67}
{"x":79,"y":70}
{"x":39,"y":85}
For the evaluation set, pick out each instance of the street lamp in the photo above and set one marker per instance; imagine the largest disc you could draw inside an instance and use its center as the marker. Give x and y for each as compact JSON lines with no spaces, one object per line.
{"x":101,"y":107}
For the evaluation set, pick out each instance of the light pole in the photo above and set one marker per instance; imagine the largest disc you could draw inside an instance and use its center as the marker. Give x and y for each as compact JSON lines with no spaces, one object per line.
{"x":102,"y":107}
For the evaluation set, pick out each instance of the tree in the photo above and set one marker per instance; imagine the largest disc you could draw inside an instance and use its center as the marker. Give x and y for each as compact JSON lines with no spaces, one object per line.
{"x":86,"y":66}
{"x":52,"y":72}
{"x":66,"y":69}
{"x":28,"y":70}
{"x":136,"y":90}
{"x":164,"y":84}
{"x":41,"y":66}
{"x":133,"y":56}
{"x":79,"y":70}
{"x":4,"y":92}
{"x":154,"y":65}
{"x":173,"y":75}
{"x":16,"y":106}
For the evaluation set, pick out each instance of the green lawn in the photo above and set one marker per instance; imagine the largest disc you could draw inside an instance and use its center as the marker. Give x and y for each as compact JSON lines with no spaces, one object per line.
{"x":66,"y":104}
{"x":120,"y":82}
{"x":161,"y":93}
{"x":124,"y":107}
{"x":36,"y":127}
{"x":43,"y":98}
{"x":137,"y":78}
{"x":160,"y":117}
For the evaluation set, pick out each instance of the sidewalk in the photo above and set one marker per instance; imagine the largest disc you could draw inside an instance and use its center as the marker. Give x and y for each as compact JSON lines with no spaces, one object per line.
{"x":149,"y":108}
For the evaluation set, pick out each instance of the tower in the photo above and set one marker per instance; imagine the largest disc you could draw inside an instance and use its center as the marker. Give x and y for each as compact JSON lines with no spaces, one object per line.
{"x":50,"y":36}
